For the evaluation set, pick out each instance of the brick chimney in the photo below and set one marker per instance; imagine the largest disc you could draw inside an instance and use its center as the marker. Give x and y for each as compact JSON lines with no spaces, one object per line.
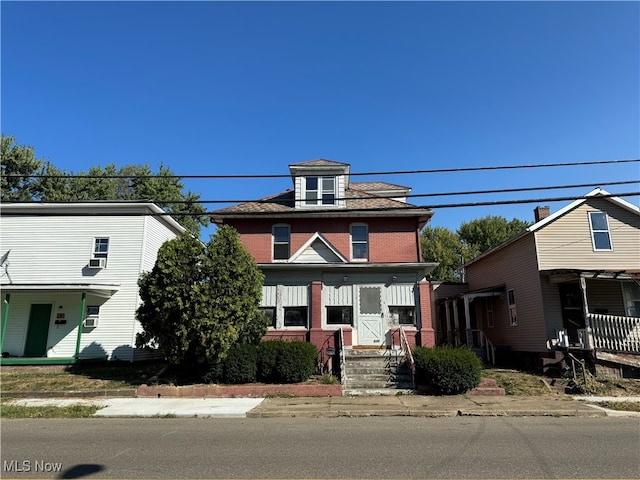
{"x":541,"y":212}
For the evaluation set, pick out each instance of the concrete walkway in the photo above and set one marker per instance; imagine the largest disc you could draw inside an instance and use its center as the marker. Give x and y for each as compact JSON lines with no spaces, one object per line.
{"x":359,"y":406}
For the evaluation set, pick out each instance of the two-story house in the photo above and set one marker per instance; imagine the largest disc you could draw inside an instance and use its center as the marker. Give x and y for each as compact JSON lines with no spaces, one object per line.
{"x":338,"y":255}
{"x":570,"y":280}
{"x":69,"y":276}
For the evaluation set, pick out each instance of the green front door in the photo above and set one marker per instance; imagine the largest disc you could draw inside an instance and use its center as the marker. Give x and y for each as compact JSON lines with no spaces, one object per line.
{"x":38,"y":331}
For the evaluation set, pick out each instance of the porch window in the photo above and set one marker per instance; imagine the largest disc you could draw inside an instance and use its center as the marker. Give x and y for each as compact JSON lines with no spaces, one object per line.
{"x":295,"y":316}
{"x":270,"y":313}
{"x":600,"y":236}
{"x":489,"y":312}
{"x":320,"y":190}
{"x":631,"y":293}
{"x":359,"y":242}
{"x":340,"y":315}
{"x":281,"y":242}
{"x":403,"y":315}
{"x":513,"y":317}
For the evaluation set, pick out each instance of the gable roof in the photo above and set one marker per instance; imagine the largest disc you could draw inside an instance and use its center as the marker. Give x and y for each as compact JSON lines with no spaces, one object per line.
{"x":318,"y":250}
{"x":596,"y":192}
{"x":319,"y":162}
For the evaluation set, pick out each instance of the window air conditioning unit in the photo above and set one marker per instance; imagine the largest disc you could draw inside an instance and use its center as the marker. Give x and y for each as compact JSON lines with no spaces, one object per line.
{"x":90,"y":322}
{"x":97,"y":263}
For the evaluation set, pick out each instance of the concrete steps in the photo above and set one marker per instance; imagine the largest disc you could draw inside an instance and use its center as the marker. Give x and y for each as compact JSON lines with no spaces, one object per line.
{"x":376,"y":372}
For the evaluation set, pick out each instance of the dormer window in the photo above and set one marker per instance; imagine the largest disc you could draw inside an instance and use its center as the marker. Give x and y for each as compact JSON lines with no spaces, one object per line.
{"x":320,"y":190}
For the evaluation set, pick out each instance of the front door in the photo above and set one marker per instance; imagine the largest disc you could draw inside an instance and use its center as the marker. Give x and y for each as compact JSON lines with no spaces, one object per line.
{"x":572,"y":316}
{"x":370,"y":318}
{"x":38,"y":331}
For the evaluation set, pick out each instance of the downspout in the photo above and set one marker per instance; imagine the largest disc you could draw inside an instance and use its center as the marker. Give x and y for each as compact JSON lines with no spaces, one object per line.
{"x":5,"y":318}
{"x":83,"y":309}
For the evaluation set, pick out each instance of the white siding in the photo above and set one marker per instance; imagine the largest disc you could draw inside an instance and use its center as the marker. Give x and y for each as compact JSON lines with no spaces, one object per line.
{"x":295,"y":296}
{"x":399,"y":295}
{"x":337,"y":295}
{"x":56,"y":250}
{"x":269,"y":295}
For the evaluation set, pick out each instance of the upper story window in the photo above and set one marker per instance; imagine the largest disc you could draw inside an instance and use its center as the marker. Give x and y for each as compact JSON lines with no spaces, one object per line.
{"x":320,"y":191}
{"x":99,"y":253}
{"x":281,"y":242}
{"x":359,"y":241}
{"x":600,"y":231}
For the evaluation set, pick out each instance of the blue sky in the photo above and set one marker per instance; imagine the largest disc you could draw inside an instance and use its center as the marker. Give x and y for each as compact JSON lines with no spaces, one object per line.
{"x":237,"y":88}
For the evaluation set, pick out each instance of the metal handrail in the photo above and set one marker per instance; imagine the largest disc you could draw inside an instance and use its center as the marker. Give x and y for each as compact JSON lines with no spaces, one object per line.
{"x":343,"y":360}
{"x":406,"y":349}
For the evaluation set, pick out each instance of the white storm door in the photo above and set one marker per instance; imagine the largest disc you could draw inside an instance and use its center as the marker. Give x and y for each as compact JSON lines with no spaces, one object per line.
{"x":370,"y":318}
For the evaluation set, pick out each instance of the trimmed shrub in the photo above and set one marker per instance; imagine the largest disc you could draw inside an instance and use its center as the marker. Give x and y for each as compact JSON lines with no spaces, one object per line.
{"x":297,"y":362}
{"x":240,"y":364}
{"x":268,"y":353}
{"x":449,"y":370}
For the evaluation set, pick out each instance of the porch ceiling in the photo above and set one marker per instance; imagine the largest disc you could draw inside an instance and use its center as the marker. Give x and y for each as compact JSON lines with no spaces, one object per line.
{"x":102,"y":290}
{"x":566,"y":275}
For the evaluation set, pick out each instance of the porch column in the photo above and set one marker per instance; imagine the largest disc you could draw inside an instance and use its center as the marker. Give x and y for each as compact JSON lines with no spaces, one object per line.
{"x":456,"y":322}
{"x":5,"y":318}
{"x":585,"y":305}
{"x":316,"y":335}
{"x":467,"y":316}
{"x":427,"y":333}
{"x":447,"y":317}
{"x":83,"y":309}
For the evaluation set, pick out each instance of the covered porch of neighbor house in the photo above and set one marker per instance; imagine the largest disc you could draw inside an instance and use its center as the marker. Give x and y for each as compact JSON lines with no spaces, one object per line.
{"x":43,"y":324}
{"x":600,"y":309}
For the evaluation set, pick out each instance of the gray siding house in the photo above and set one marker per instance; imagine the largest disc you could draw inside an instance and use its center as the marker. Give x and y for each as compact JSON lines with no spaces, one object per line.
{"x":69,"y":276}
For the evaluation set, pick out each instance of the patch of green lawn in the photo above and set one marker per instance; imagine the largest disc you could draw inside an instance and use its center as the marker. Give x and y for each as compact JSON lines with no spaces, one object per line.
{"x":47,"y":411}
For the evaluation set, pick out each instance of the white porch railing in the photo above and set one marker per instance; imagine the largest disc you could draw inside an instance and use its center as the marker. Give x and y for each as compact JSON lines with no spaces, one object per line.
{"x":612,"y":332}
{"x":482,"y":342}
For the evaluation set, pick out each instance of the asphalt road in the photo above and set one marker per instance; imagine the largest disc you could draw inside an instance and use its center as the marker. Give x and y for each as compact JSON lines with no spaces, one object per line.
{"x":376,"y":447}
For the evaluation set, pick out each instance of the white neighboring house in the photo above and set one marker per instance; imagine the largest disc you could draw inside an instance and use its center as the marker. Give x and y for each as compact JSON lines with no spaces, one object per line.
{"x":69,"y":276}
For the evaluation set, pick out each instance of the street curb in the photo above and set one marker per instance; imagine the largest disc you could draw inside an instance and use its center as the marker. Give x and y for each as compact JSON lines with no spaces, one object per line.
{"x":120,"y":392}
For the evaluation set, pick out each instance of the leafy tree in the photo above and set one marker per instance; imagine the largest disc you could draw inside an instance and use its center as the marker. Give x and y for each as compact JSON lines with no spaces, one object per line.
{"x":18,"y":163}
{"x":482,"y":234}
{"x":439,"y":244}
{"x":129,"y":182}
{"x":199,"y":301}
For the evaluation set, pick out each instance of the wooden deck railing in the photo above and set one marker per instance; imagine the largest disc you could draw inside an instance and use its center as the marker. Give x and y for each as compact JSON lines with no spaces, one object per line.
{"x":616,"y":333}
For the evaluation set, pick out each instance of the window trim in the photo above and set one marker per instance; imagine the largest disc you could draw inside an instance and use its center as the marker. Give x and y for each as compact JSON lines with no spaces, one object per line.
{"x":319,"y":193}
{"x":274,"y":243}
{"x":274,"y":319}
{"x":594,"y":231}
{"x":352,"y":242}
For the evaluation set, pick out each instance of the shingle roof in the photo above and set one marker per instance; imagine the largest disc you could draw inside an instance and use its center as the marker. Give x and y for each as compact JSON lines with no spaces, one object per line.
{"x":356,"y":199}
{"x":374,"y":186}
{"x":319,"y":162}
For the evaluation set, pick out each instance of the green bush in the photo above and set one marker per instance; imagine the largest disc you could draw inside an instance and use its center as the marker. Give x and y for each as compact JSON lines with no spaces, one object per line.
{"x":449,"y":370}
{"x":297,"y":362}
{"x":240,"y":364}
{"x":268,"y":354}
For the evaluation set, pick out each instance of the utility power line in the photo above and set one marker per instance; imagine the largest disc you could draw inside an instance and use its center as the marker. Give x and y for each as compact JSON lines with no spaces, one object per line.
{"x":351,"y":174}
{"x":275,"y":199}
{"x":315,"y":210}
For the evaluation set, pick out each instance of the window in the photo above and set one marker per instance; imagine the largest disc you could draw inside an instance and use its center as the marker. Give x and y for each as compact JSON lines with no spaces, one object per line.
{"x":631,"y":294}
{"x":92,"y":316}
{"x":513,"y":318}
{"x":281,"y":241}
{"x":295,"y":316}
{"x":100,"y":247}
{"x":600,"y":231}
{"x":270,"y":313}
{"x":340,"y":315}
{"x":403,"y":315}
{"x":359,"y":242}
{"x":320,"y":190}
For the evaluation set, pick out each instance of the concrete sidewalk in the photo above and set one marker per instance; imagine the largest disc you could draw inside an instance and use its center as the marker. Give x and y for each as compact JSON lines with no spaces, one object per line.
{"x":361,"y":406}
